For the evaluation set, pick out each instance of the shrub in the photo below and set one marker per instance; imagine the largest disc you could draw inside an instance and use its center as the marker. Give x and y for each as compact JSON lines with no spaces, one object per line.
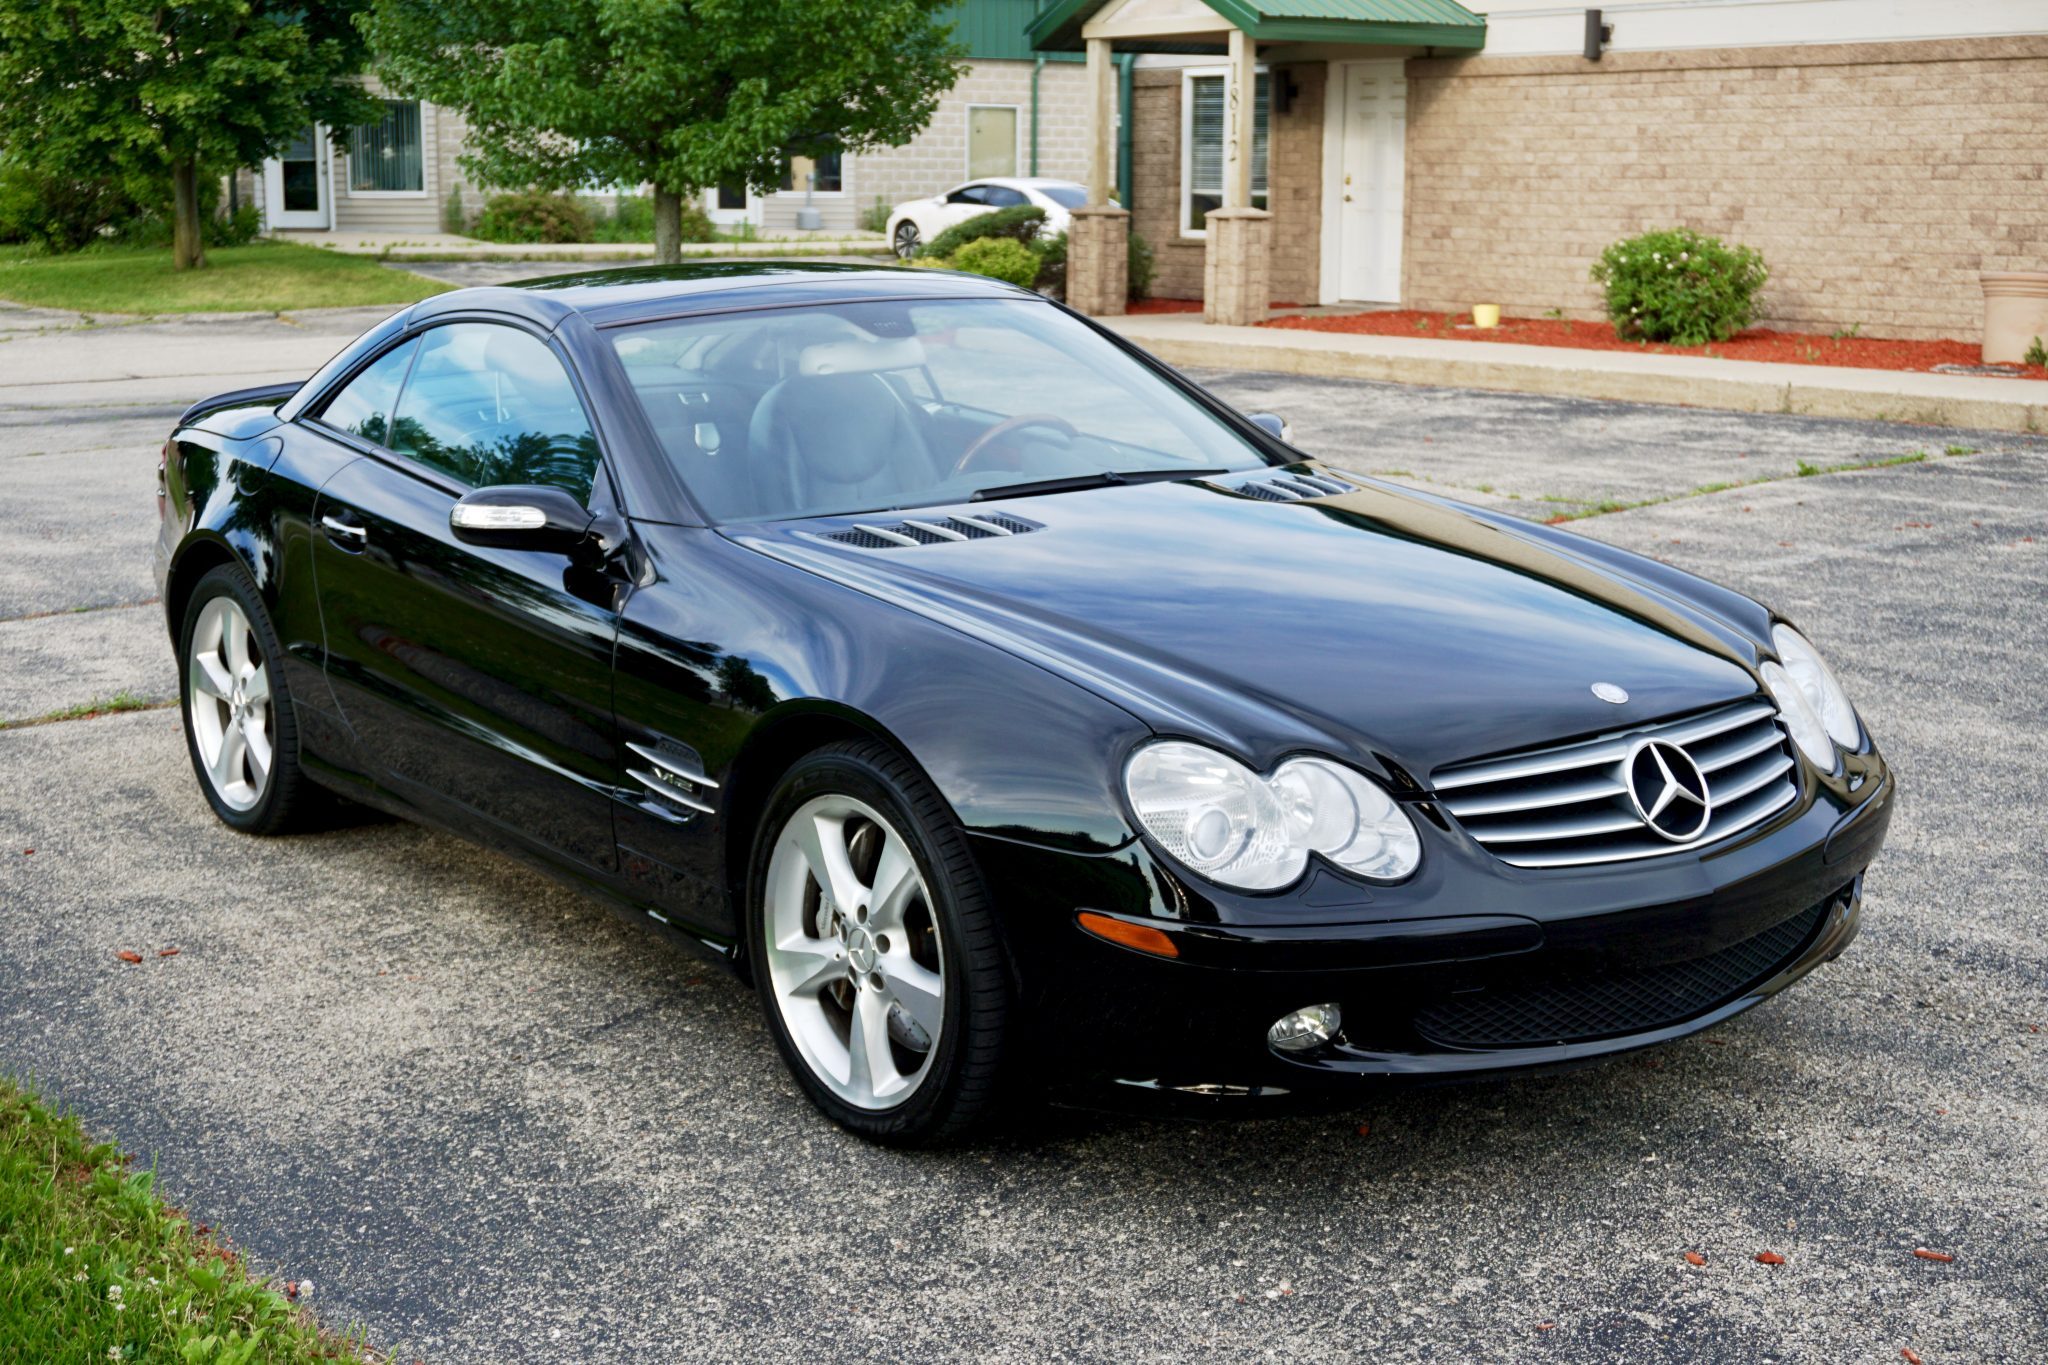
{"x":1052,"y":264}
{"x":875,"y":218}
{"x":532,"y":216}
{"x":454,"y":217}
{"x":1679,"y":286}
{"x":60,"y":213}
{"x":1138,"y":267}
{"x":631,"y":219}
{"x":235,"y":228}
{"x":999,"y":258}
{"x":1020,"y":224}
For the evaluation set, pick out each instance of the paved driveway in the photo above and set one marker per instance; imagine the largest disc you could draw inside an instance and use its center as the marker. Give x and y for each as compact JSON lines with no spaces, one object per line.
{"x":493,"y":1123}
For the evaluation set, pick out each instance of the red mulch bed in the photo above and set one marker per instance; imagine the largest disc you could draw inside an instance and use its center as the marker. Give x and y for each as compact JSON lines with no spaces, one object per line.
{"x":1757,"y":343}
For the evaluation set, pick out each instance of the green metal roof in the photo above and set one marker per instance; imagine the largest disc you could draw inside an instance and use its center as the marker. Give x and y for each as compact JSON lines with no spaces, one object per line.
{"x":994,"y":29}
{"x":1406,"y":23}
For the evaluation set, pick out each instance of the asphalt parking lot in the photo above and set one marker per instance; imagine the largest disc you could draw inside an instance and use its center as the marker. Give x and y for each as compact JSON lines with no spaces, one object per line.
{"x":491,"y":1122}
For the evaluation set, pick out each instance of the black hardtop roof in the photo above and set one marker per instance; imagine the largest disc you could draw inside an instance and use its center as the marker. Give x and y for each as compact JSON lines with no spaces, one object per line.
{"x":644,"y":292}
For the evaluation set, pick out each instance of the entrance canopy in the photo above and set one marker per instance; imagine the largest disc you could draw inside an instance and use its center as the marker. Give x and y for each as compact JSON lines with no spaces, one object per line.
{"x":1206,"y":25}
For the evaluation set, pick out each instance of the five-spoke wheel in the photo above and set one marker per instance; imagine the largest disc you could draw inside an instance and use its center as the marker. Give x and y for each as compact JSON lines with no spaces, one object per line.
{"x":239,"y":723}
{"x":853,"y":951}
{"x":227,"y":698}
{"x":874,"y":947}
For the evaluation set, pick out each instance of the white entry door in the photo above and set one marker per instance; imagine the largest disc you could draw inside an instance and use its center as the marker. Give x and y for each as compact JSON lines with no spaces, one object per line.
{"x":1370,"y":167}
{"x":295,"y":184}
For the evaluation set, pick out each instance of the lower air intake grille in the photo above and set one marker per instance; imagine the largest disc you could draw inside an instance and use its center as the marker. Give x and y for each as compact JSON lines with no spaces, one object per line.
{"x":1574,"y":1009}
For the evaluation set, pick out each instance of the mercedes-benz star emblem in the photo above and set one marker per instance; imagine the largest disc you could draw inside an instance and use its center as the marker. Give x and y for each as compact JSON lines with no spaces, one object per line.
{"x":1607,"y":691}
{"x":1668,"y":790}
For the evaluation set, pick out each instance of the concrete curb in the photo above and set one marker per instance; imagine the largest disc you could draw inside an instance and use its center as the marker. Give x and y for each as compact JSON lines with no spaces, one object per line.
{"x":1628,"y":377}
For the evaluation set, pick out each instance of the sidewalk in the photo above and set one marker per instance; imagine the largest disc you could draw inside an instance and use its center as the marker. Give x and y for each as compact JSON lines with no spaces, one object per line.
{"x":447,"y":246}
{"x":1986,"y":404}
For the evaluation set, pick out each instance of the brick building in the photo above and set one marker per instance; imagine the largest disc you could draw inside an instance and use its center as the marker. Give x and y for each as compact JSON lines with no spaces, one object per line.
{"x":1436,"y":155}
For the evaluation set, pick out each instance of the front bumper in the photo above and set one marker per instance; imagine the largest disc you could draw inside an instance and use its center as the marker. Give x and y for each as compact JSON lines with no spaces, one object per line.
{"x":1475,"y":969}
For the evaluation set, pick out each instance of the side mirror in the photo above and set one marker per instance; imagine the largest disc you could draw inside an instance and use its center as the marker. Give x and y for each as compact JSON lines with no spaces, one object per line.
{"x":1274,"y":424}
{"x":523,"y":517}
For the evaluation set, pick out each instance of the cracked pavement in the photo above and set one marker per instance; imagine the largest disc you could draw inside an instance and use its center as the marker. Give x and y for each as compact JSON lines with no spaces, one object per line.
{"x":494,"y":1123}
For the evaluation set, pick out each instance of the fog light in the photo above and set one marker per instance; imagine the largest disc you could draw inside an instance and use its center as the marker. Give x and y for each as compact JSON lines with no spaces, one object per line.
{"x":1306,"y":1029}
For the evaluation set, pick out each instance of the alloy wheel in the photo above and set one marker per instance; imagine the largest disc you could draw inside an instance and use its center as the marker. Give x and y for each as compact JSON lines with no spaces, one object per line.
{"x":906,"y":240}
{"x":854,"y":958}
{"x":228,"y":699}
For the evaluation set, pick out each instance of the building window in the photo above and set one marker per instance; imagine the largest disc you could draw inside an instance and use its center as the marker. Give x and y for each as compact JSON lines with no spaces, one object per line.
{"x":388,"y":156}
{"x":991,"y":140}
{"x":1205,"y":110}
{"x":825,"y":166}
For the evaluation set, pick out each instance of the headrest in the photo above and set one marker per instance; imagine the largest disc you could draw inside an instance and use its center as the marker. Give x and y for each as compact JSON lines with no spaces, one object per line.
{"x":860,"y":357}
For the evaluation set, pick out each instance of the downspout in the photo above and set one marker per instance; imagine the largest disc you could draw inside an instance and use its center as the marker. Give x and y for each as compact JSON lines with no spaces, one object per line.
{"x":1036,"y":67}
{"x":1123,"y":61}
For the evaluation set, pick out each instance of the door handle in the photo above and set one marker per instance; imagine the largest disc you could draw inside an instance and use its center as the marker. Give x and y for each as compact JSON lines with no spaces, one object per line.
{"x":345,"y":535}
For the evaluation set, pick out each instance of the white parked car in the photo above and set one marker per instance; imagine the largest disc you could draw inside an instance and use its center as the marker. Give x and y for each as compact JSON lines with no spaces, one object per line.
{"x":920,"y":220}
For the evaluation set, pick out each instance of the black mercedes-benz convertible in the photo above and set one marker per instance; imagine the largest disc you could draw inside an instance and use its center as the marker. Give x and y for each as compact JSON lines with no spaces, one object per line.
{"x":1019,"y":717}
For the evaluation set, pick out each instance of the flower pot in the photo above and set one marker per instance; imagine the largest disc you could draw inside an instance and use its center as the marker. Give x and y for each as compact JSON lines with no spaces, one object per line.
{"x":1486,"y":315}
{"x":2015,"y":312}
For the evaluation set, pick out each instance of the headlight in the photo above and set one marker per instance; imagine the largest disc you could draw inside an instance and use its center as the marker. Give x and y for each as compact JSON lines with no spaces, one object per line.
{"x":1815,"y":707}
{"x":1224,"y":822}
{"x":1816,"y":681}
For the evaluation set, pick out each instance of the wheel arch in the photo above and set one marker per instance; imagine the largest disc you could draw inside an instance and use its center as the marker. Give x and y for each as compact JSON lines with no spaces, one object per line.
{"x":774,"y":744}
{"x":197,"y":557}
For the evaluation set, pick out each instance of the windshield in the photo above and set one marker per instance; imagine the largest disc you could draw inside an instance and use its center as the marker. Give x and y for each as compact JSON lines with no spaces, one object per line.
{"x":1066,"y":196}
{"x":860,"y":407}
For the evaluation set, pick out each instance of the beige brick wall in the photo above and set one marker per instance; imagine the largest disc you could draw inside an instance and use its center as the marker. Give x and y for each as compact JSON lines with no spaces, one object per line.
{"x":1877,"y":179}
{"x":1294,"y":171}
{"x":1294,"y":185}
{"x":1155,"y":183}
{"x":937,"y":158}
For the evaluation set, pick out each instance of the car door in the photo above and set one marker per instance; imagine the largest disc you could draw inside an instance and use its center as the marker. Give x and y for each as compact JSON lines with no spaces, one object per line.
{"x":969,"y":201}
{"x":474,"y":680}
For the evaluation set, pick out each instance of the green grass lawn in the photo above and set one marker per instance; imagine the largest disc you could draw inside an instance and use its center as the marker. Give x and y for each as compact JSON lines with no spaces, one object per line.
{"x":93,"y":1266}
{"x":270,"y":277}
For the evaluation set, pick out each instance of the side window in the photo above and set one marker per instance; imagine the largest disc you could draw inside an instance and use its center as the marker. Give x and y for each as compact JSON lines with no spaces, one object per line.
{"x":1003,"y":197}
{"x":492,"y":405}
{"x":969,"y":194}
{"x":363,"y":407}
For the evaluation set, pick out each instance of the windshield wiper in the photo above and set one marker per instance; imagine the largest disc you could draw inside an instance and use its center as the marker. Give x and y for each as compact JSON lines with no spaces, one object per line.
{"x":1108,"y":478}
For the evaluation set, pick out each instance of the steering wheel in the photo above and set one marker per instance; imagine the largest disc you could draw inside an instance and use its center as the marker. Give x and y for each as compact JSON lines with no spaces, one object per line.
{"x":1008,"y":425}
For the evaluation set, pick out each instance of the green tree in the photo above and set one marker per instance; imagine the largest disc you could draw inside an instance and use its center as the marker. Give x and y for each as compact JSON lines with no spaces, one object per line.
{"x":678,"y":94}
{"x":149,"y":91}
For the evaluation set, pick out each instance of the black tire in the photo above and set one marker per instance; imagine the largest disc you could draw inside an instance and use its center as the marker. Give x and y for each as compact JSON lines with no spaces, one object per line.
{"x":964,"y":1085}
{"x":906,"y":241}
{"x":288,"y":800}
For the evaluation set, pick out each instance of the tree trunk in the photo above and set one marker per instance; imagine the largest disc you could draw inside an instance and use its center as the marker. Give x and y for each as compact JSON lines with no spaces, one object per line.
{"x":188,"y":241}
{"x":668,"y":226}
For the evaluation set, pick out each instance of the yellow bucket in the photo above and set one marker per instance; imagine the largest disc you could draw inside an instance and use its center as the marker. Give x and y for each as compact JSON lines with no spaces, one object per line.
{"x":1486,"y":315}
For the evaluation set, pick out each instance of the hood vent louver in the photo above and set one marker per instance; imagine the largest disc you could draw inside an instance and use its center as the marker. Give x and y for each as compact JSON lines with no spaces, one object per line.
{"x":914,"y":531}
{"x":1290,"y":486}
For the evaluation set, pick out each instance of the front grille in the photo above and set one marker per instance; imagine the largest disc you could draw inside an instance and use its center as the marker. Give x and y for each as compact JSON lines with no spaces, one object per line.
{"x":931,"y":530}
{"x":1573,"y":1009}
{"x":1568,"y":806}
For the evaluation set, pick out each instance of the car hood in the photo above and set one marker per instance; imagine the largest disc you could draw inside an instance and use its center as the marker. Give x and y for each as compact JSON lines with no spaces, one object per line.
{"x":1406,"y":630}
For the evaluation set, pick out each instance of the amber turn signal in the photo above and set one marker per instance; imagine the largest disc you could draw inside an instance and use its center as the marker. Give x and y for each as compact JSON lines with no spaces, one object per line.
{"x":1143,"y":937}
